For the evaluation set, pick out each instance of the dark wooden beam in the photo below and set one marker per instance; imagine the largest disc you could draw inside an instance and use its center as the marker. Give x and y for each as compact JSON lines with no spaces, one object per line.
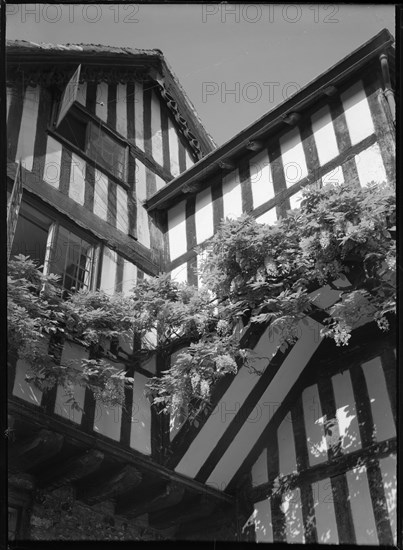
{"x":26,"y":454}
{"x":111,"y":486}
{"x":159,"y":499}
{"x":32,"y":418}
{"x":72,"y":470}
{"x":185,"y":512}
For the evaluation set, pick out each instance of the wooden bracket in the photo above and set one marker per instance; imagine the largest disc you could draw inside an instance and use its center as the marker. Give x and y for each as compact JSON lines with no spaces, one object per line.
{"x":110,"y":487}
{"x":72,"y":470}
{"x":30,"y":452}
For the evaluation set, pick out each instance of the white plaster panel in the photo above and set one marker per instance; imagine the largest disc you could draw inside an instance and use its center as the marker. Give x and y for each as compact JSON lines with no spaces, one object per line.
{"x":231,"y":195}
{"x":204,"y":216}
{"x":324,"y":135}
{"x":139,"y":115}
{"x":286,"y":446}
{"x":26,"y":138}
{"x":357,"y":112}
{"x":180,"y":273}
{"x":361,"y":506}
{"x":334,"y":177}
{"x":160,"y":182}
{"x":295,"y":200}
{"x":173,"y":148}
{"x":384,"y":424}
{"x":388,"y":471}
{"x":108,"y":419}
{"x":177,"y":230}
{"x":370,"y":166}
{"x":121,"y":109}
{"x":53,"y":160}
{"x":292,"y":508}
{"x":100,"y":195}
{"x":22,"y":389}
{"x":325,"y":517}
{"x":262,"y":521}
{"x":129,"y":276}
{"x":293,"y":157}
{"x":122,"y":215}
{"x":346,"y":413}
{"x":108,"y":273}
{"x":74,"y":354}
{"x":140,"y":435}
{"x":156,"y":130}
{"x":188,"y":159}
{"x":259,"y":470}
{"x":314,"y":426}
{"x":269,"y":217}
{"x":77,"y":179}
{"x":261,"y":179}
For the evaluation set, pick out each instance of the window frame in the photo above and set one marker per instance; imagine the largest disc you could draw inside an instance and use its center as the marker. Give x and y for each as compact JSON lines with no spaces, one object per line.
{"x":79,"y":112}
{"x":52,"y":234}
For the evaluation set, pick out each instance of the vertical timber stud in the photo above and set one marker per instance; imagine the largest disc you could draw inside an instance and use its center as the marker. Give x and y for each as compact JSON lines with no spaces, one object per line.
{"x":147,"y":121}
{"x":388,"y":359}
{"x":112,"y":200}
{"x":342,"y":509}
{"x":310,"y":150}
{"x":246,"y":188}
{"x":277,"y":514}
{"x":131,"y":177}
{"x":384,"y":133}
{"x":158,"y":446}
{"x":375,"y":482}
{"x":44,"y":111}
{"x":91,"y":97}
{"x":217,"y":200}
{"x":55,"y":349}
{"x":343,"y":140}
{"x":277,"y":171}
{"x":111,"y":112}
{"x":307,"y":501}
{"x":165,"y":138}
{"x":65,"y":170}
{"x":125,"y":427}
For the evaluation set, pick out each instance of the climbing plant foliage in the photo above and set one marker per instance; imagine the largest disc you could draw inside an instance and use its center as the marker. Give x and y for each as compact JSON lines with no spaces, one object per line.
{"x":252,"y":273}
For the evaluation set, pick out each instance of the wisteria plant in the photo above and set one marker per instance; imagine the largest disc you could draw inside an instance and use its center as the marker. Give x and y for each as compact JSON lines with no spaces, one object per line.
{"x":251,"y":273}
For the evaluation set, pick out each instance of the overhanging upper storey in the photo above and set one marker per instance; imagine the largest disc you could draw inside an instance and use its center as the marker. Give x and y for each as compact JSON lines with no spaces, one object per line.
{"x":49,"y":63}
{"x":293,"y":112}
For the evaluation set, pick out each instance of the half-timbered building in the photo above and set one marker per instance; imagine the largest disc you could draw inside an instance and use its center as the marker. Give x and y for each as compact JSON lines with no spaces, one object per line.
{"x":121,"y":181}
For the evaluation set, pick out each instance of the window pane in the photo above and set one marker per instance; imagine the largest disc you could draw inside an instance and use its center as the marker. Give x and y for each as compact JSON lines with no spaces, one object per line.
{"x":73,"y":129}
{"x":106,"y":151}
{"x":31,"y":234}
{"x":72,"y":260}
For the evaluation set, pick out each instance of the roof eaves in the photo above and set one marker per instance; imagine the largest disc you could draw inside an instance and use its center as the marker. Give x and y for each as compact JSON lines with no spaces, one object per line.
{"x":271,"y":120}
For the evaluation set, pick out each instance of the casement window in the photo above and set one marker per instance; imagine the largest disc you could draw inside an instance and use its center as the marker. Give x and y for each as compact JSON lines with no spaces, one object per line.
{"x":57,"y":248}
{"x":94,"y":139}
{"x":71,"y":258}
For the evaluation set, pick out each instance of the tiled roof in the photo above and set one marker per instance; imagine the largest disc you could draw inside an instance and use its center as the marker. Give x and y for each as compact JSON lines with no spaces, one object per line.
{"x":25,"y":46}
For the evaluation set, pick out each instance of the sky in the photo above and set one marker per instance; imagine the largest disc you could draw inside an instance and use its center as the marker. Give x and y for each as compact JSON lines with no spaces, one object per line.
{"x":235,"y":62}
